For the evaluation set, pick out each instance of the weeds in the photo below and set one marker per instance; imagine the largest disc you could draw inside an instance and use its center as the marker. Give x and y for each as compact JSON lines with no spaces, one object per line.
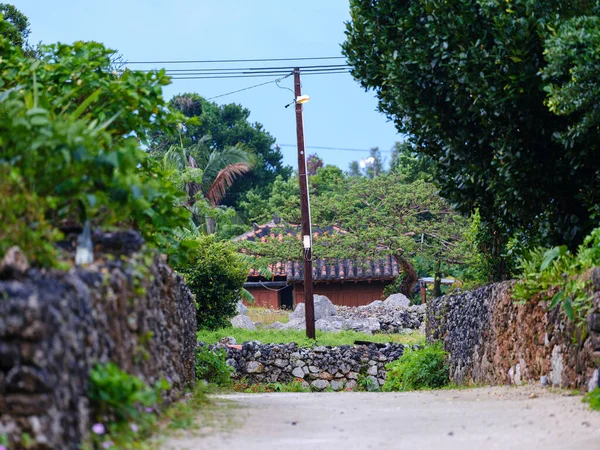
{"x":212,"y":367}
{"x":418,"y":368}
{"x":593,"y":398}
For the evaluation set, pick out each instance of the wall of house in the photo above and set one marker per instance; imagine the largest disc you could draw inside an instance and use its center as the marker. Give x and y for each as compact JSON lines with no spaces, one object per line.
{"x":264,"y":298}
{"x":347,"y":294}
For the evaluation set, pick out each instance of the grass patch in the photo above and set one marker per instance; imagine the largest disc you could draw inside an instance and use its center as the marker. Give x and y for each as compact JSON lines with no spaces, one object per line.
{"x":299,"y":337}
{"x":248,"y":388}
{"x":268,"y":316}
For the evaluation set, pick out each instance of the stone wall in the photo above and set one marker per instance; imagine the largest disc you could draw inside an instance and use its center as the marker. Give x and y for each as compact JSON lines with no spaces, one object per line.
{"x":55,"y":326}
{"x":493,"y":340}
{"x":320,"y":367}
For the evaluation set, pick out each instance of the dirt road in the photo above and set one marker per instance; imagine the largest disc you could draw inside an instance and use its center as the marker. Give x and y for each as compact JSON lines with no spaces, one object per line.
{"x":484,"y":418}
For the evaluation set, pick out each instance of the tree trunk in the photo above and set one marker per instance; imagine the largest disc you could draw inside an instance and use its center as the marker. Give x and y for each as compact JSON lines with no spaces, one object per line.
{"x":411,"y":276}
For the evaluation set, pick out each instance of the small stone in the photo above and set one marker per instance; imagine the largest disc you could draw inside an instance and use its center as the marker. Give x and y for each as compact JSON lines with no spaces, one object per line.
{"x":14,"y":263}
{"x":254,"y":367}
{"x":533,"y":395}
{"x":300,"y":363}
{"x":313,"y":369}
{"x":337,"y":385}
{"x":352,"y":375}
{"x":372,"y":370}
{"x":281,"y":363}
{"x":373,"y":384}
{"x":298,"y":372}
{"x":351,"y":385}
{"x":319,"y":385}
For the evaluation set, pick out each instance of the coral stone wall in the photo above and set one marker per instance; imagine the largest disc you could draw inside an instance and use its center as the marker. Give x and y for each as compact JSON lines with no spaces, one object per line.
{"x":322,"y":367}
{"x":54,"y":326}
{"x":493,"y":340}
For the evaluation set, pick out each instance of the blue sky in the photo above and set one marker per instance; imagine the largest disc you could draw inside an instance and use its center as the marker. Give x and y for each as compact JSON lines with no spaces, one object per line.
{"x":340,"y":113}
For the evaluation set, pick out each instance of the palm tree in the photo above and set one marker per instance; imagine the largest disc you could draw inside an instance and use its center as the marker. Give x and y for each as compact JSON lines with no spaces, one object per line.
{"x":208,"y":180}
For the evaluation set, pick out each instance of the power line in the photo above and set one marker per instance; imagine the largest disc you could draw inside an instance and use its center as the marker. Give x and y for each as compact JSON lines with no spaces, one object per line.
{"x":259,"y":69}
{"x":247,"y":76}
{"x":333,"y":148}
{"x":235,"y":60}
{"x":249,"y":87}
{"x":259,"y":73}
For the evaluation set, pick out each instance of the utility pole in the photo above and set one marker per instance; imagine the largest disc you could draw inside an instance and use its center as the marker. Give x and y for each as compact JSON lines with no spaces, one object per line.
{"x":309,"y":305}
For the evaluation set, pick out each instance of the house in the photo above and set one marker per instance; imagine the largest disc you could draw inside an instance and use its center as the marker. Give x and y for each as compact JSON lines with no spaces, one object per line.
{"x":344,"y":281}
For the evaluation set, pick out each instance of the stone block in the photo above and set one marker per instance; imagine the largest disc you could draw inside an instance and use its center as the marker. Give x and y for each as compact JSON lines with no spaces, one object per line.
{"x":27,"y":404}
{"x":319,"y":385}
{"x":337,"y":385}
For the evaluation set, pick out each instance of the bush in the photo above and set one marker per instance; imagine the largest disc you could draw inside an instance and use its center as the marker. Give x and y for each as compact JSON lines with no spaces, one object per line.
{"x":593,"y":398}
{"x":70,"y":134}
{"x":555,"y":274}
{"x":215,"y":274}
{"x":211,"y":366}
{"x":125,"y":408}
{"x":418,"y":368}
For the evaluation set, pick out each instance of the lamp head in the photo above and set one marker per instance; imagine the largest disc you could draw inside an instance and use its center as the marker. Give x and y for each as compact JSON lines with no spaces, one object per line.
{"x":302,"y":99}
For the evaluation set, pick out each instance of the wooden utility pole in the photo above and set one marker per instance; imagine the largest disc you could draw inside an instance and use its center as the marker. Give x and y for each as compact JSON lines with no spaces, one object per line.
{"x":309,"y":305}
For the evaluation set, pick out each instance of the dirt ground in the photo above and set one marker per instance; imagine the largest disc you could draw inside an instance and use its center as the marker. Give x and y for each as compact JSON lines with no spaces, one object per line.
{"x":481,"y":418}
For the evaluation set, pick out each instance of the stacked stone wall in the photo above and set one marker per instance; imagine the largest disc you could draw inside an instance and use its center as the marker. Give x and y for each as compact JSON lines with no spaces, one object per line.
{"x":319,"y":367}
{"x":55,"y":326}
{"x":492,"y":339}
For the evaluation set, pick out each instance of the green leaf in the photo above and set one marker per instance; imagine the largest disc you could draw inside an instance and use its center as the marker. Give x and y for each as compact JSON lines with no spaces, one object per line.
{"x":85,"y":104}
{"x":568,"y":306}
{"x":557,"y":299}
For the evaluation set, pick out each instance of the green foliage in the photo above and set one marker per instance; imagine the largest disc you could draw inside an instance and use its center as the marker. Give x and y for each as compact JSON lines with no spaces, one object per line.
{"x":228,"y":126}
{"x":556,"y":274}
{"x":215,"y":274}
{"x":17,"y":29}
{"x":299,"y":337}
{"x":70,"y":133}
{"x":211,"y":366}
{"x":593,"y":398}
{"x":119,"y":396}
{"x":462,"y":80}
{"x":418,"y":368}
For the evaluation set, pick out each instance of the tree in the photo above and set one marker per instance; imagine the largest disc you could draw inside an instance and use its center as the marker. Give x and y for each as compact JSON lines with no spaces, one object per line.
{"x":228,"y":126}
{"x":206,"y":178}
{"x":17,"y":25}
{"x":462,"y":80}
{"x":368,"y":167}
{"x":380,"y":216}
{"x":410,"y":164}
{"x":313,"y":162}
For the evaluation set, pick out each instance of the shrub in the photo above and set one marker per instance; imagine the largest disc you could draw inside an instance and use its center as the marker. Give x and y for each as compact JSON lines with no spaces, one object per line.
{"x":118,"y":396}
{"x":70,"y":134}
{"x":418,"y":368}
{"x":125,"y":408}
{"x":215,"y":274}
{"x":593,"y":398}
{"x":554,"y":273}
{"x":211,"y":366}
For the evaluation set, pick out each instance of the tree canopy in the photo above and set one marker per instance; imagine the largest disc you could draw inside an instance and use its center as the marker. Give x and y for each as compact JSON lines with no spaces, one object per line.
{"x":222,"y":126}
{"x":497,"y":96}
{"x":16,"y":28}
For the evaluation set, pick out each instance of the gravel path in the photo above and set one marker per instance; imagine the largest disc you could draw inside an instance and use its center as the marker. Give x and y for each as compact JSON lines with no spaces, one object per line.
{"x":482,"y":418}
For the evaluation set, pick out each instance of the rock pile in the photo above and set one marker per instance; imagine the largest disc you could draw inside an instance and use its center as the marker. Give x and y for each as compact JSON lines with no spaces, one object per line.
{"x":390,"y":316}
{"x":319,"y":367}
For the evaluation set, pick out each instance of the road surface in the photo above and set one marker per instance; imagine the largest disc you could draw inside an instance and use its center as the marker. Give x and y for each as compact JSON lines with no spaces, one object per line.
{"x":482,"y":418}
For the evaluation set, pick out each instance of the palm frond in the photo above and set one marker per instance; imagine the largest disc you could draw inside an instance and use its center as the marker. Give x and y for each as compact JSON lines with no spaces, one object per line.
{"x":224,"y":180}
{"x":219,"y":159}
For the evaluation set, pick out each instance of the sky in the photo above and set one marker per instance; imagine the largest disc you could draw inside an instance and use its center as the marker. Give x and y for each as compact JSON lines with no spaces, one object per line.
{"x":340,"y":113}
